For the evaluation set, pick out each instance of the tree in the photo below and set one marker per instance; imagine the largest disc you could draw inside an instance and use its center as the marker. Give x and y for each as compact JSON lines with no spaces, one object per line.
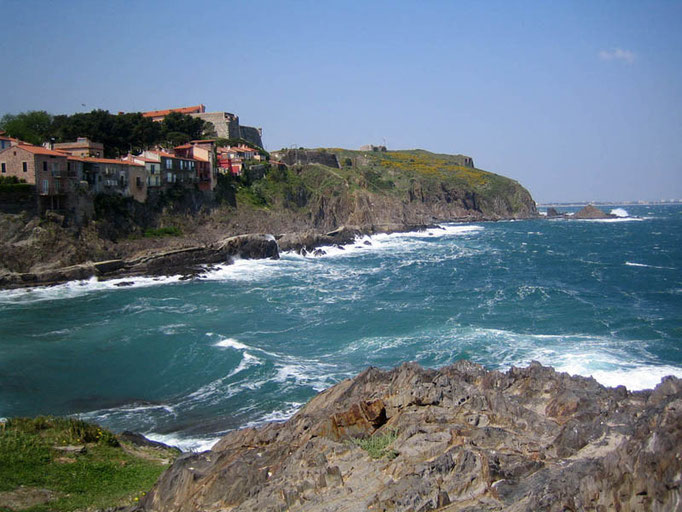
{"x":176,"y":122}
{"x":33,"y":126}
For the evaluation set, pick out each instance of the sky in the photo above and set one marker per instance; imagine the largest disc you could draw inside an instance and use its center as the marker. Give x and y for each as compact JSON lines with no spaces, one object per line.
{"x":578,"y":101}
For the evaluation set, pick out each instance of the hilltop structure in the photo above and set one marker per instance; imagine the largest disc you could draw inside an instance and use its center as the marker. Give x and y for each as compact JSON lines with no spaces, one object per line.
{"x":225,"y":124}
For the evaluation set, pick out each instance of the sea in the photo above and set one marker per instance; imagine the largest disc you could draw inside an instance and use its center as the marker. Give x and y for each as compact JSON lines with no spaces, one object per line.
{"x":185,"y":362}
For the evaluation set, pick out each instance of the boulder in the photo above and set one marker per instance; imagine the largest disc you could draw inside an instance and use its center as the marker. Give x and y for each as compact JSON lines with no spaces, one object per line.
{"x":458,"y":438}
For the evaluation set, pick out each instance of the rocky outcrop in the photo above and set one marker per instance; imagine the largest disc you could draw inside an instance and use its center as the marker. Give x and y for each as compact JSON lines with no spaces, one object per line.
{"x":592,"y":212}
{"x":187,"y":260}
{"x":461,"y":438}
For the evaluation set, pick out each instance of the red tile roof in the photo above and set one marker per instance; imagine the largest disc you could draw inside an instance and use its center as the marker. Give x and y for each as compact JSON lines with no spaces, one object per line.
{"x":39,"y":150}
{"x":110,"y":161}
{"x":182,"y":110}
{"x":168,"y":155}
{"x":184,"y":146}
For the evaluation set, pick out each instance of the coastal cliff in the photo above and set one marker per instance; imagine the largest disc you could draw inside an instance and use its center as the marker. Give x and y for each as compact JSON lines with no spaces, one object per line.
{"x":456,"y":439}
{"x":368,"y":192}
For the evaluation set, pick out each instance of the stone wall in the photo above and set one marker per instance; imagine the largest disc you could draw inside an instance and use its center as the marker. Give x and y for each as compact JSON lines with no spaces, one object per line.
{"x":307,"y":156}
{"x":465,"y":161}
{"x":226,"y":125}
{"x":252,"y":135}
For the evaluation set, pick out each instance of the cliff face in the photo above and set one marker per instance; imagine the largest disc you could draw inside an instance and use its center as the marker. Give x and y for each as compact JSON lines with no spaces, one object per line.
{"x":458,"y":438}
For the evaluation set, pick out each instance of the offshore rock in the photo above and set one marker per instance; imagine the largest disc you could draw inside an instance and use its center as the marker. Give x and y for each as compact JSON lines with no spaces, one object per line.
{"x":592,"y":212}
{"x":463,"y":439}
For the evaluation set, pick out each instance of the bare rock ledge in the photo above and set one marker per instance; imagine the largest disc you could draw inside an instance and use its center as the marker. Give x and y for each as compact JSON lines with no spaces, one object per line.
{"x":464,"y":439}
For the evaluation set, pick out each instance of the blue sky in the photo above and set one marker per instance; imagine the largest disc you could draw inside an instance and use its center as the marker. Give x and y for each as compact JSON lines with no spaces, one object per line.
{"x":576,"y":100}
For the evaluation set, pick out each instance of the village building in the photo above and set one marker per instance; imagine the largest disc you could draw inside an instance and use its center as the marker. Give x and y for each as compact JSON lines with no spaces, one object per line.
{"x":152,"y":171}
{"x":50,"y":171}
{"x":159,"y":115}
{"x":109,"y":176}
{"x":83,"y":147}
{"x":174,"y":169}
{"x":201,"y":151}
{"x":6,"y":142}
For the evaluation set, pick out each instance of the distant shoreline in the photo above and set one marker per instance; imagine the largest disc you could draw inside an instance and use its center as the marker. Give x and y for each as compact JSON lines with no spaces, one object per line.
{"x":613,"y":203}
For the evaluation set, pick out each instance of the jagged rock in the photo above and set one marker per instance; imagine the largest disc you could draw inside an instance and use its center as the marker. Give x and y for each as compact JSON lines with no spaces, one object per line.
{"x":552,"y":212}
{"x":464,"y":439}
{"x":592,"y":212}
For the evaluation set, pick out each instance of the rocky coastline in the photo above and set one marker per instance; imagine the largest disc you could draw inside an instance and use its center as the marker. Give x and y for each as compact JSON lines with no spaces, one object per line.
{"x":191,"y":261}
{"x":460,"y":438}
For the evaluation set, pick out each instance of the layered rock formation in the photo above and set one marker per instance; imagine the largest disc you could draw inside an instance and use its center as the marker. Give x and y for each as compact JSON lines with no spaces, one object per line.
{"x":187,"y":260}
{"x":461,"y":438}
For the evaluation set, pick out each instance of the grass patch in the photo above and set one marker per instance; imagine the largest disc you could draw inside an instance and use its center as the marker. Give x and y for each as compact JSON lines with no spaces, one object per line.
{"x":379,"y":446}
{"x":105,"y":475}
{"x":159,"y":232}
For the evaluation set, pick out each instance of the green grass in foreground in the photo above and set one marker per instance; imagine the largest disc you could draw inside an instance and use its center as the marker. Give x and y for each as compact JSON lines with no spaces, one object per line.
{"x":378,"y":446}
{"x":167,"y":231}
{"x":105,"y":475}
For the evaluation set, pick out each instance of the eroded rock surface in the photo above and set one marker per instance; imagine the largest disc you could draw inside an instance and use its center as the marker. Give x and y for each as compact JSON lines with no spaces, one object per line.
{"x":466,"y":439}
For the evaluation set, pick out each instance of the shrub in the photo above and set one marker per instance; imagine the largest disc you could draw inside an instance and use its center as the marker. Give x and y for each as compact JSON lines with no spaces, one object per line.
{"x":378,"y":446}
{"x":165,"y":231}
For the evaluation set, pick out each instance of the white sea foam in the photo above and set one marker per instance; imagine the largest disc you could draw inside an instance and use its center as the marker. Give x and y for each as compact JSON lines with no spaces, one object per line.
{"x":278,"y":415}
{"x":247,"y":362}
{"x":620,"y":212}
{"x":231,"y":343}
{"x":405,"y":241}
{"x":186,"y":444}
{"x":617,"y":219}
{"x":633,"y":264}
{"x":305,"y":373}
{"x":74,"y":289}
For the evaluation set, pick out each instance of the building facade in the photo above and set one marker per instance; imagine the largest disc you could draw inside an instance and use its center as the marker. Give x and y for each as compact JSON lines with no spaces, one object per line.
{"x":83,"y":147}
{"x":48,"y":170}
{"x":108,"y":176}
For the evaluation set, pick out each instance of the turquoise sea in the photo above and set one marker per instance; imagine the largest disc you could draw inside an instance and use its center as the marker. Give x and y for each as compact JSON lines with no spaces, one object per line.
{"x":186,"y":361}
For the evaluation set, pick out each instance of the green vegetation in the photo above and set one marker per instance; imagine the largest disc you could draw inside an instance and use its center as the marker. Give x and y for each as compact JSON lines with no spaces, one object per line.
{"x":165,"y":231}
{"x":11,"y":180}
{"x":379,"y":446}
{"x":15,"y":186}
{"x":120,"y":133}
{"x":97,"y":472}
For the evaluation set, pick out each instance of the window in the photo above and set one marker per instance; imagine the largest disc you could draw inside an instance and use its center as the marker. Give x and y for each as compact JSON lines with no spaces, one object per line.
{"x":4,"y":168}
{"x":24,"y":166}
{"x":46,"y":185}
{"x":56,"y":187}
{"x":169,"y":163}
{"x":44,"y":165}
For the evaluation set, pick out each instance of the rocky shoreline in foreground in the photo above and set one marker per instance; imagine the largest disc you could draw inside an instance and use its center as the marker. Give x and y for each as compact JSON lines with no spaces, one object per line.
{"x":456,"y":439}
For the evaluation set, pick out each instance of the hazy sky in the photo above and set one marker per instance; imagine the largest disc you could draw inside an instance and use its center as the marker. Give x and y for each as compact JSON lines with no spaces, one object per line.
{"x":576,"y":100}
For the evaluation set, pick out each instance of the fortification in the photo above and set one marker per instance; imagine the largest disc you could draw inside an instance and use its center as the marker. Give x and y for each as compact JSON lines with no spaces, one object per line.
{"x":227,"y":126}
{"x":307,"y":156}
